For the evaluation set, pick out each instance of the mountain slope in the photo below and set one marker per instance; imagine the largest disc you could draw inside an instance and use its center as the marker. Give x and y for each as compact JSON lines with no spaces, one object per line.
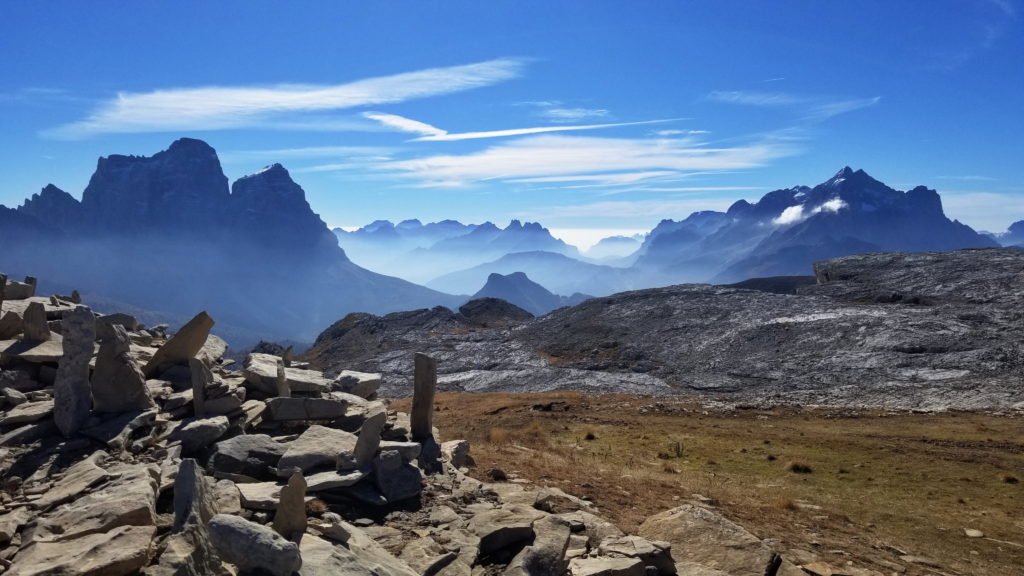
{"x":518,"y":289}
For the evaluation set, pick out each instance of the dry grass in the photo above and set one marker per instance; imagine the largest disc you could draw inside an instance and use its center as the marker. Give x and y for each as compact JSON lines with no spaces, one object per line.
{"x":909,"y":481}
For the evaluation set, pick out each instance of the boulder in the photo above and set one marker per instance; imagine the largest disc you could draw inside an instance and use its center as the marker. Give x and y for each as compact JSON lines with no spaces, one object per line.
{"x":185,"y":344}
{"x":395,"y":479}
{"x":72,"y":394}
{"x":198,"y":433}
{"x":317,"y":447}
{"x":251,"y":455}
{"x":362,"y":384}
{"x":251,"y":546}
{"x":117,"y":382}
{"x":656,"y":554}
{"x":10,"y":325}
{"x":260,"y":371}
{"x":214,"y":348}
{"x":705,"y":537}
{"x":501,"y":527}
{"x":546,"y":555}
{"x":456,"y":452}
{"x":35,"y":327}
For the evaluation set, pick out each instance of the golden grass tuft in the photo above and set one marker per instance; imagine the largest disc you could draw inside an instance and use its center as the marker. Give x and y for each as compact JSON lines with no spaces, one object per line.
{"x":316,"y":507}
{"x":785,"y":504}
{"x":498,"y":436}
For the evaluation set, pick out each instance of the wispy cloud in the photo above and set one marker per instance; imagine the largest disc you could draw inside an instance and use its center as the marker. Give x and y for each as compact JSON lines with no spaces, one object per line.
{"x":435,"y":134}
{"x":810,"y":107}
{"x":622,"y":209}
{"x":969,"y":178}
{"x":591,"y":158}
{"x":221,"y":108}
{"x":574,"y":114}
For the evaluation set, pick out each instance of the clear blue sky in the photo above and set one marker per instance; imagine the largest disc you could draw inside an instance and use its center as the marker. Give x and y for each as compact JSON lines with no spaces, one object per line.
{"x":586,"y":114}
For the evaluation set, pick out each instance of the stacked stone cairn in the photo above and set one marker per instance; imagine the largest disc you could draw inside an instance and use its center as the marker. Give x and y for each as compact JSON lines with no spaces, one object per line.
{"x":128,"y":450}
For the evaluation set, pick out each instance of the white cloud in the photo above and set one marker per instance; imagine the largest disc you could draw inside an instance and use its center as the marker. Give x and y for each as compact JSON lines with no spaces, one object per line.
{"x":790,"y":215}
{"x":563,"y":156}
{"x":221,"y":108}
{"x":586,"y":238}
{"x":435,"y":134}
{"x":573,"y":114}
{"x":750,"y":98}
{"x":834,"y":205}
{"x":621,"y":210}
{"x":812,"y":107}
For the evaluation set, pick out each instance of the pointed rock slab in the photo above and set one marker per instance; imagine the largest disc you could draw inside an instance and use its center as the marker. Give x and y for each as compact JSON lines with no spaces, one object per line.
{"x":193,"y":496}
{"x":35,"y":327}
{"x":185,"y":344}
{"x":317,"y":447}
{"x":424,"y":386}
{"x":10,"y":325}
{"x":290,"y":516}
{"x":702,"y":536}
{"x":253,"y":547}
{"x":117,"y":383}
{"x":72,"y":395}
{"x":201,"y":378}
{"x":369,"y":436}
{"x":119,"y":552}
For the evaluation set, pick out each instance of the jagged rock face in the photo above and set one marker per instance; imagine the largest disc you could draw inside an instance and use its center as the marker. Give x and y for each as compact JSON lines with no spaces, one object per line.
{"x":55,"y":207}
{"x":180,"y":189}
{"x":270,"y":209}
{"x":888,"y":330}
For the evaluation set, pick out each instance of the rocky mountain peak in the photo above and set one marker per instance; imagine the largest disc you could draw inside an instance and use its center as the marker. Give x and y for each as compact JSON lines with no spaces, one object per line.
{"x":52,"y":206}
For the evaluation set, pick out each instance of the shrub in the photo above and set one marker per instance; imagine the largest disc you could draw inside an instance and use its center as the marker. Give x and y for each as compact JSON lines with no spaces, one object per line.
{"x":1009,"y":479}
{"x":498,"y":436}
{"x":799,"y":467}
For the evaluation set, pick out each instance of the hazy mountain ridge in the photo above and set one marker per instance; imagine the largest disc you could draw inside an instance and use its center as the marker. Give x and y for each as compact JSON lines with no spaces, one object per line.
{"x":165,"y":231}
{"x":518,"y":289}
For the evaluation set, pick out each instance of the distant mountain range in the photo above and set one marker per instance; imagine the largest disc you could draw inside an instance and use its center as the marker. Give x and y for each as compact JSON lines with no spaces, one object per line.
{"x":167,"y":230}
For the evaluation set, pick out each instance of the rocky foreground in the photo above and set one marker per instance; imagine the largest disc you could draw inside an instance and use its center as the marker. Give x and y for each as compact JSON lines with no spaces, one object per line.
{"x":932,"y":331}
{"x":127,"y":450}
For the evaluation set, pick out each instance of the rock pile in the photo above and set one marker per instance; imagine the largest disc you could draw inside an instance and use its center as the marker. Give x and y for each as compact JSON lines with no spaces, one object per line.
{"x":126,"y":450}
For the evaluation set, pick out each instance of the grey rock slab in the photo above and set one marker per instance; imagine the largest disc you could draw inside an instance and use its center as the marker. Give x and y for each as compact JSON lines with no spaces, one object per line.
{"x":27,"y":413}
{"x":424,"y":387}
{"x":502,"y":527}
{"x":198,"y":433}
{"x":13,"y":397}
{"x":128,"y":500}
{"x":322,"y":558}
{"x":262,"y":496}
{"x":317,"y":447}
{"x":596,"y":528}
{"x":28,"y":433}
{"x":251,"y":546}
{"x":330,"y":480}
{"x":250,"y":455}
{"x":260,"y":371}
{"x":290,"y":513}
{"x":214,"y":348}
{"x":193,"y":496}
{"x":369,"y":437}
{"x":607,"y":567}
{"x":116,"y":430}
{"x":185,"y":344}
{"x":47,"y":352}
{"x":10,"y":325}
{"x":188,"y":552}
{"x":72,"y":394}
{"x":117,"y":382}
{"x":657,"y":554}
{"x":705,"y":537}
{"x":426,"y":556}
{"x":456,"y":452}
{"x":78,"y":478}
{"x":35,"y":326}
{"x":11,"y":521}
{"x":226,"y":498}
{"x":202,"y":378}
{"x":410,"y":451}
{"x":119,"y":552}
{"x":290,"y":409}
{"x":362,"y":384}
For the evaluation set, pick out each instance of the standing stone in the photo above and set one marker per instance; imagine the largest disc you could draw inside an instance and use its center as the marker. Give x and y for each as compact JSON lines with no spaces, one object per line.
{"x":290,"y":518}
{"x":185,"y":344}
{"x":193,"y":496}
{"x":3,"y":288}
{"x":72,"y":395}
{"x":369,"y":436}
{"x":283,"y":390}
{"x":10,"y":325}
{"x":117,"y":383}
{"x":424,"y":386}
{"x":201,"y":378}
{"x":288,"y":356}
{"x":36,"y":328}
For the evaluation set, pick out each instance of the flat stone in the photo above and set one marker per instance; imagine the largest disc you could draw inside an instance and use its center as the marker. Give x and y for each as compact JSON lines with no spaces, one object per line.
{"x":128,"y":500}
{"x":251,"y":546}
{"x":35,"y":352}
{"x":198,"y":433}
{"x":973,"y":533}
{"x":290,"y":409}
{"x":317,"y":447}
{"x":650,"y":553}
{"x":426,"y":556}
{"x":331,"y":480}
{"x":606,"y":567}
{"x":596,"y":528}
{"x":11,"y":521}
{"x":226,"y":498}
{"x":27,"y":413}
{"x":362,"y":384}
{"x":121,"y":551}
{"x":259,"y":495}
{"x":410,"y":451}
{"x":185,"y":344}
{"x":28,"y":433}
{"x":702,"y":536}
{"x":78,"y":478}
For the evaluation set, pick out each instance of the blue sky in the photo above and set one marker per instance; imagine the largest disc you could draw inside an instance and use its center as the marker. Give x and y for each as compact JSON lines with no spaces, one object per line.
{"x":581,"y":115}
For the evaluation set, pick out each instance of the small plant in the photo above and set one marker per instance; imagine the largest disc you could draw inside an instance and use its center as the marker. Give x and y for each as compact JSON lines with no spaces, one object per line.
{"x":536,"y":431}
{"x":316,"y":507}
{"x":1009,"y":479}
{"x":785,"y":504}
{"x":498,"y":436}
{"x":771,"y":457}
{"x":799,"y":467}
{"x":590,"y":434}
{"x":667,"y":467}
